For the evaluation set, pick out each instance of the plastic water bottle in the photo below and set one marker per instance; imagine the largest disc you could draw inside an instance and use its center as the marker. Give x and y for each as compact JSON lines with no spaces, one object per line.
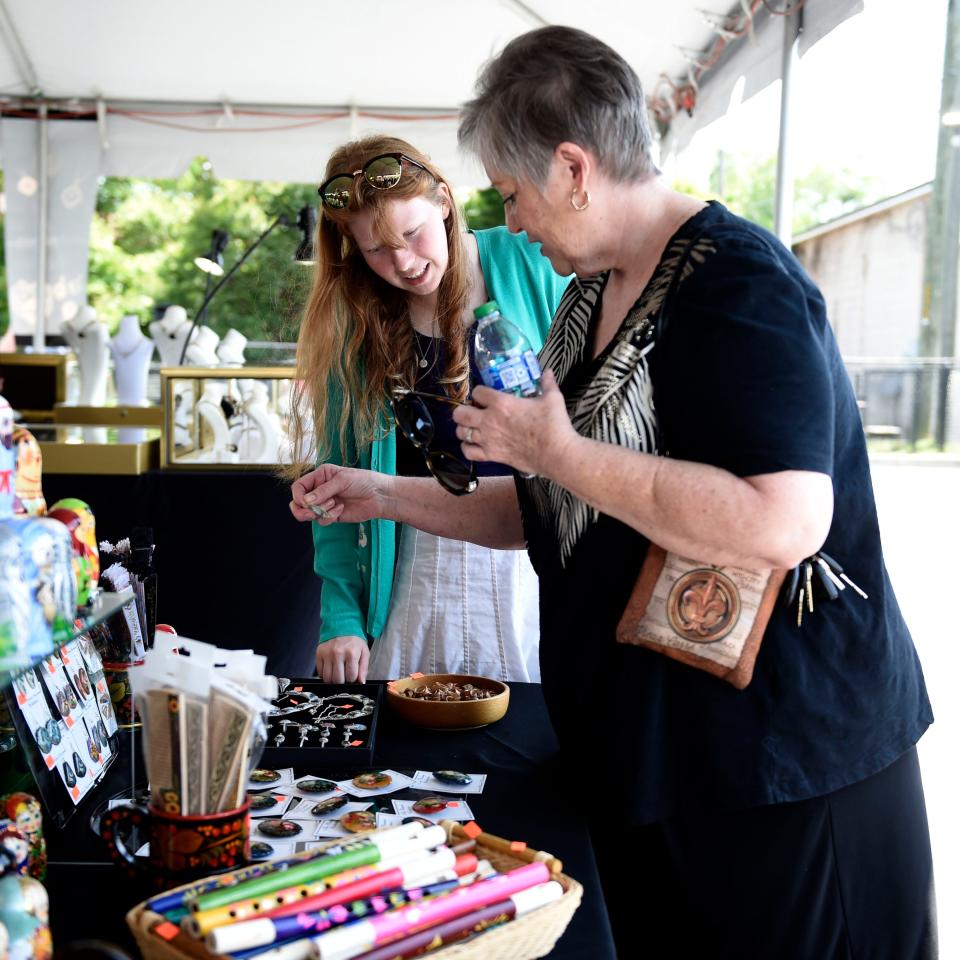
{"x":505,"y":358}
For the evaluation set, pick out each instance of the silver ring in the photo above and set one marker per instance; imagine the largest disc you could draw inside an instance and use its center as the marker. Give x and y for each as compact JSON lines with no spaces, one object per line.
{"x":468,"y":438}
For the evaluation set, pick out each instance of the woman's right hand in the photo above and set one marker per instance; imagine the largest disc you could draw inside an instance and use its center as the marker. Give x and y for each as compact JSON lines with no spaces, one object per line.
{"x":343,"y":660}
{"x":331,"y":493}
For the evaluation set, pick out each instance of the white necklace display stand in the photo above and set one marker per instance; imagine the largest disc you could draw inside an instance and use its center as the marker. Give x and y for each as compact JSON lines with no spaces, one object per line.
{"x":211,"y":414}
{"x":264,"y":438}
{"x":170,"y":333}
{"x":202,"y":351}
{"x":88,"y":340}
{"x":230,"y":349}
{"x":131,"y":362}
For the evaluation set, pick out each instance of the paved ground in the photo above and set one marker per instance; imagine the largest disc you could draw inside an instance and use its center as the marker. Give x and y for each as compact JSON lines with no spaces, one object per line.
{"x":919,"y":507}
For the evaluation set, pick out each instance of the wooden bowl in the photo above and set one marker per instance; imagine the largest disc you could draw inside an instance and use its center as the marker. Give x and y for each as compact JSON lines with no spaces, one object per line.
{"x":449,"y":714}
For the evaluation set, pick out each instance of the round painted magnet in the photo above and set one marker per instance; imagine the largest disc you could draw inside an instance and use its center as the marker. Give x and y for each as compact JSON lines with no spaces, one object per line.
{"x":279,"y":828}
{"x":262,"y":801}
{"x":316,"y":785}
{"x":373,"y":780}
{"x":453,"y":776}
{"x":264,"y":776}
{"x":260,"y":850}
{"x":359,"y":821}
{"x":429,"y":805}
{"x":328,"y":805}
{"x":423,"y":820}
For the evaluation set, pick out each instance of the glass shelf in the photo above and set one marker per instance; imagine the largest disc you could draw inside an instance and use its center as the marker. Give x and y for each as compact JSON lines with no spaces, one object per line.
{"x":101,"y":608}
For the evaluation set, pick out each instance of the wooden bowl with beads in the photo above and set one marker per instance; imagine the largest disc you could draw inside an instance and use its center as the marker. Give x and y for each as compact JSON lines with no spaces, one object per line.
{"x":448,"y":714}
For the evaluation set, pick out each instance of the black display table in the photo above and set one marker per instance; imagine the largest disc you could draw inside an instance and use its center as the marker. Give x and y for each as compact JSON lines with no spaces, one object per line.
{"x":526,"y":797}
{"x":235,"y":569}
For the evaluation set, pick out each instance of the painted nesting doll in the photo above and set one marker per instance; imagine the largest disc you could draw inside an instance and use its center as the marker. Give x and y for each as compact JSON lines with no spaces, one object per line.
{"x":78,"y":518}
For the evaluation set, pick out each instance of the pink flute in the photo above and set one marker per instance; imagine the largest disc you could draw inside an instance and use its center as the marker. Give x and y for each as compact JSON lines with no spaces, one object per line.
{"x":416,"y":872}
{"x":350,"y":941}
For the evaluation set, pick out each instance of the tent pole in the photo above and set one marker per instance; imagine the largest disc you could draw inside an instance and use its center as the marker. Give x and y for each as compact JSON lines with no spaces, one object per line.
{"x":783,"y":197}
{"x":39,"y":330}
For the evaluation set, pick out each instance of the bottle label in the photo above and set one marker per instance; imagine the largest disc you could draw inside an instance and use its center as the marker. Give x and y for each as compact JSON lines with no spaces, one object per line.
{"x":514,"y":374}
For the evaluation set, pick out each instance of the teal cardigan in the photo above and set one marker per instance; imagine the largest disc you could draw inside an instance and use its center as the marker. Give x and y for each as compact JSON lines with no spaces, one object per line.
{"x":356,"y":560}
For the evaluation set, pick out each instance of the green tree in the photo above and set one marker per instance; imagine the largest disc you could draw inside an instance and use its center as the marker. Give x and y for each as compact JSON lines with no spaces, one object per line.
{"x":747,"y":186}
{"x":483,"y":209}
{"x":146,"y":234}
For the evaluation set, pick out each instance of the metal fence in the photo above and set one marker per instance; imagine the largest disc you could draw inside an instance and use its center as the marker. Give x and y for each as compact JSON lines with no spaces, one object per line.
{"x":907,"y":402}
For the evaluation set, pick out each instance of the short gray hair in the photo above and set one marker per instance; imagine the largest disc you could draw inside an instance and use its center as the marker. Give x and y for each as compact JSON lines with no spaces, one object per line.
{"x":553,"y":85}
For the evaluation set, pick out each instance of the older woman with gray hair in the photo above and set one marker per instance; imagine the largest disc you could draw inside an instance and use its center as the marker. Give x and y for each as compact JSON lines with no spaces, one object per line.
{"x":694,"y":405}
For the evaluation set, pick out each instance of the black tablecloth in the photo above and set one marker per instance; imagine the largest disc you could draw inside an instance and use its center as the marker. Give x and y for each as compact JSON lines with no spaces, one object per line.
{"x":527,"y":797}
{"x":235,"y":569}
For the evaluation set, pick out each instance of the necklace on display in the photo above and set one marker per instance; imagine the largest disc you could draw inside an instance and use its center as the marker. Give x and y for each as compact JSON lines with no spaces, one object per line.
{"x":129,"y":353}
{"x":312,"y":702}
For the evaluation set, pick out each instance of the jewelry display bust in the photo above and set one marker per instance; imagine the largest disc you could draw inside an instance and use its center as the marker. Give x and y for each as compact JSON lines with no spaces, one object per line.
{"x":170,"y":333}
{"x":208,"y":408}
{"x":131,"y":362}
{"x":87,"y":337}
{"x":202,"y":351}
{"x":230,"y":349}
{"x":265,"y":437}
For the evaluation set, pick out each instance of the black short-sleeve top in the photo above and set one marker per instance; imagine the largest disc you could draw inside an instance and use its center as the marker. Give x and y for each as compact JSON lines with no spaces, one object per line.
{"x":746,"y":377}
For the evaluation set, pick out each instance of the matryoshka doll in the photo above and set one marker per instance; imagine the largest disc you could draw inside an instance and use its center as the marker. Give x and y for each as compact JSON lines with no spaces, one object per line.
{"x":24,"y":810}
{"x":25,"y":913}
{"x":14,"y":599}
{"x":8,"y":460}
{"x":78,"y":519}
{"x":38,"y":551}
{"x":28,"y":490}
{"x":64,"y":575}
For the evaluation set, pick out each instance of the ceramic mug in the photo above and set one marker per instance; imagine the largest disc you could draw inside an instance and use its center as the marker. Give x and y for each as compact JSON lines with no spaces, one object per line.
{"x":181,"y":847}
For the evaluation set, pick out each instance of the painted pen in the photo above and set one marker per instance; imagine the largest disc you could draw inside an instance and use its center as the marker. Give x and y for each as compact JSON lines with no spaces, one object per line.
{"x":376,"y":847}
{"x":478,"y":921}
{"x":299,"y":897}
{"x":244,"y":937}
{"x":345,"y":943}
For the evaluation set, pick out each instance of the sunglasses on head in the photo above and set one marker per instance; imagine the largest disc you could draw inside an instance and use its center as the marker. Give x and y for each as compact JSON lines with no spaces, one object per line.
{"x":381,"y":173}
{"x":413,"y":417}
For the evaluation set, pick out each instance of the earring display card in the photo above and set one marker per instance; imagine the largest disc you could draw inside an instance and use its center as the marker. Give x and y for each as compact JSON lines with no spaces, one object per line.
{"x":322,"y":724}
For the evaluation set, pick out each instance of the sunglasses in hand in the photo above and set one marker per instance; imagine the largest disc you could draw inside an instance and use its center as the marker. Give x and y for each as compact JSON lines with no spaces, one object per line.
{"x":454,"y":474}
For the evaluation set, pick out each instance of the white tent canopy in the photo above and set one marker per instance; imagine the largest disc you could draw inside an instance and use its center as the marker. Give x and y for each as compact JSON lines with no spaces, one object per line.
{"x":267,"y":89}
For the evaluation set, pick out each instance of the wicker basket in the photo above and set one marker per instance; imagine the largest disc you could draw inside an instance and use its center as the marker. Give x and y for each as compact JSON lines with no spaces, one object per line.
{"x":533,"y":935}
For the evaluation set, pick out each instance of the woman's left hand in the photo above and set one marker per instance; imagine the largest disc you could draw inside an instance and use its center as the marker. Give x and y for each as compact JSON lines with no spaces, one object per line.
{"x":529,"y":434}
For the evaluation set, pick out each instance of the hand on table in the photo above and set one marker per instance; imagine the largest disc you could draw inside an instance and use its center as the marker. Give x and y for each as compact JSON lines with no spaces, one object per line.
{"x":343,"y":660}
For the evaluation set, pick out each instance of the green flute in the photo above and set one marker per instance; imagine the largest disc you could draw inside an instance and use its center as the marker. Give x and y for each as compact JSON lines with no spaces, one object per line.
{"x":388,"y":843}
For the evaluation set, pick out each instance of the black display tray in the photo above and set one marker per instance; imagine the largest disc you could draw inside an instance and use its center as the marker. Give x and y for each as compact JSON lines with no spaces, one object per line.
{"x":333,"y":709}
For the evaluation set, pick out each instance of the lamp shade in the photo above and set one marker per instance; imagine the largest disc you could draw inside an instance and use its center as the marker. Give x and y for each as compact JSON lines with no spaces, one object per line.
{"x":307,"y":222}
{"x":212,"y":261}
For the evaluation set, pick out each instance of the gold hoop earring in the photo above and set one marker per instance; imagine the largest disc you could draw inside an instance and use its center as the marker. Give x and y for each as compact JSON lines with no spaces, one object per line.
{"x":577,"y":206}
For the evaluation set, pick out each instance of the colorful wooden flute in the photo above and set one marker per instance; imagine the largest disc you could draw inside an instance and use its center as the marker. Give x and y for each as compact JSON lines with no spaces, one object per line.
{"x":462,"y":927}
{"x":378,"y":846}
{"x":177,"y":899}
{"x":316,"y":896}
{"x":244,"y":937}
{"x":345,"y":943}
